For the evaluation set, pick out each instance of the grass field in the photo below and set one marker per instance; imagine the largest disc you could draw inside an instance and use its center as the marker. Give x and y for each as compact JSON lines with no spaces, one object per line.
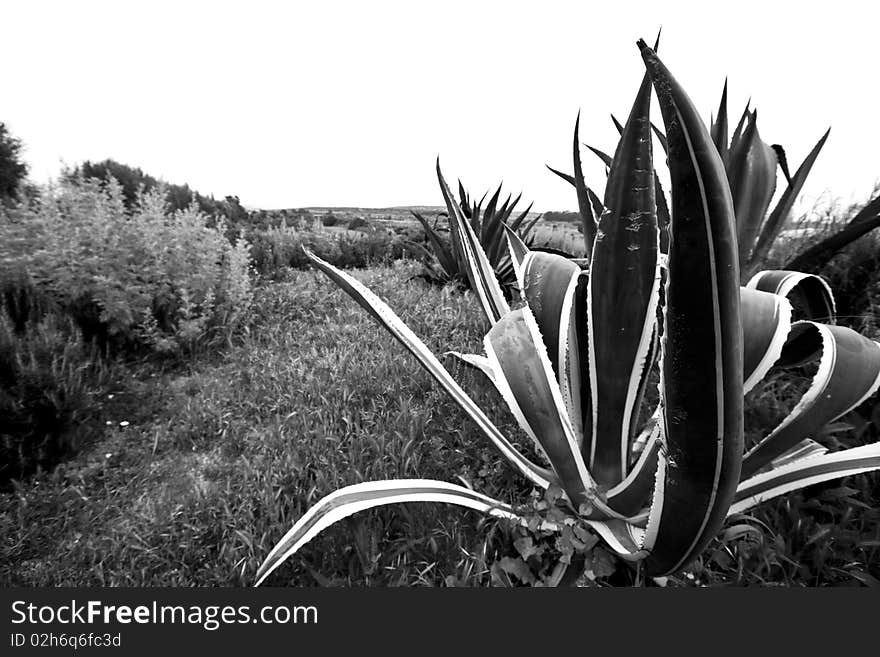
{"x":219,"y":457}
{"x":194,"y":469}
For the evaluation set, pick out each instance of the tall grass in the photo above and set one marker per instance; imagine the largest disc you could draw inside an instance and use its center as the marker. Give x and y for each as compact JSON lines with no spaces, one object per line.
{"x":311,"y":401}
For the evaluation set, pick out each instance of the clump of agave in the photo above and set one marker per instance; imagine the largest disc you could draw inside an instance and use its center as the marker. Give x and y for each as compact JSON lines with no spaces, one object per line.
{"x":571,"y":358}
{"x":488,"y":225}
{"x":751,"y":168}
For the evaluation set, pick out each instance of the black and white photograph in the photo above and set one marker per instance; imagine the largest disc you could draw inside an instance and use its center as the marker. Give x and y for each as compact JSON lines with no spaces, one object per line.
{"x":370,"y":295}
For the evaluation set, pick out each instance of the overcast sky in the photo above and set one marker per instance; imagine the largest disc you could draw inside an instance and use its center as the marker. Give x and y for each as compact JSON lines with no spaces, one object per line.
{"x":311,"y":103}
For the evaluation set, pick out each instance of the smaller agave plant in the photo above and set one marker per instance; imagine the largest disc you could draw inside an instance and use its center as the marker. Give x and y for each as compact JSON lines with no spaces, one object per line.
{"x":572,"y":355}
{"x":488,"y":224}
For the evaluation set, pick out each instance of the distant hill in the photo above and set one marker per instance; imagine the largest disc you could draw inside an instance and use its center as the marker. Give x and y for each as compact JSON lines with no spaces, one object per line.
{"x":396,"y":213}
{"x":563,"y":216}
{"x":395,"y":210}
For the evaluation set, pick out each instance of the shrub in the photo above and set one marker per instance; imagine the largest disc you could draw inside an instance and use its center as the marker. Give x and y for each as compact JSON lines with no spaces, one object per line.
{"x":179,"y":197}
{"x":139,"y":277}
{"x":49,"y":383}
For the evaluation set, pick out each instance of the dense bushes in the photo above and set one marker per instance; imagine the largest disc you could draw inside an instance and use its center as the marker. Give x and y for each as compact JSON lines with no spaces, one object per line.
{"x":178,"y":197}
{"x":139,"y":277}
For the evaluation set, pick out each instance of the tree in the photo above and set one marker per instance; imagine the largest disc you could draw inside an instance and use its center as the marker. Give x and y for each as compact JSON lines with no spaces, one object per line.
{"x":178,"y":196}
{"x":12,"y":170}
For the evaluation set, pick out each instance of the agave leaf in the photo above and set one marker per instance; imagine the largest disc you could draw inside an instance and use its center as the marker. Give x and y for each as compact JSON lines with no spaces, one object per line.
{"x":783,"y":160}
{"x":617,"y":125}
{"x":661,"y":138}
{"x":516,"y":247}
{"x":719,"y":128}
{"x":352,"y":499}
{"x":525,"y":378}
{"x":810,"y":294}
{"x":490,"y":217}
{"x":849,"y":373}
{"x":738,"y":131}
{"x":496,"y":240}
{"x":547,"y":279}
{"x":766,"y":321}
{"x":597,"y":207}
{"x":805,"y":472}
{"x":702,"y":350}
{"x":662,"y":215}
{"x":465,"y":200}
{"x":776,"y":221}
{"x":752,"y":176}
{"x":388,"y":319}
{"x":441,"y":251}
{"x":517,"y":251}
{"x":517,"y":222}
{"x":596,"y":202}
{"x":551,"y":285}
{"x":566,"y":177}
{"x":479,"y":270}
{"x":634,"y":493}
{"x":623,"y":294}
{"x":588,"y":219}
{"x":607,"y":159}
{"x":806,"y":448}
{"x":476,"y":361}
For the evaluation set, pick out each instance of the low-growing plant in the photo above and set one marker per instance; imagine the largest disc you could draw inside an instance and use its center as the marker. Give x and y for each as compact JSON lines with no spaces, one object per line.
{"x":572,"y":357}
{"x":449,"y":262}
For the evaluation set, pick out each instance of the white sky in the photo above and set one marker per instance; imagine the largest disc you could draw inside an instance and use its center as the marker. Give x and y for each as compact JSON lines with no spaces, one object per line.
{"x":348,"y":103}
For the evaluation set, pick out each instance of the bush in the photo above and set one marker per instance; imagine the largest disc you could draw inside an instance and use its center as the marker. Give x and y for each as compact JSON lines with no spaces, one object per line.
{"x":50,"y":380}
{"x":179,"y":197}
{"x":133,"y":278}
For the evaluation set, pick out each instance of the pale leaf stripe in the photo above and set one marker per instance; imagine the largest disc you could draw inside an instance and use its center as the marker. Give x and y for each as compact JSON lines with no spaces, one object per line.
{"x":805,"y":472}
{"x":359,"y":497}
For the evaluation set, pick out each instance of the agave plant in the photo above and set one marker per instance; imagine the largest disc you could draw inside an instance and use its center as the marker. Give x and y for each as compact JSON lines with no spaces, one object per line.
{"x":571,"y":358}
{"x":751,"y":168}
{"x":488,"y":224}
